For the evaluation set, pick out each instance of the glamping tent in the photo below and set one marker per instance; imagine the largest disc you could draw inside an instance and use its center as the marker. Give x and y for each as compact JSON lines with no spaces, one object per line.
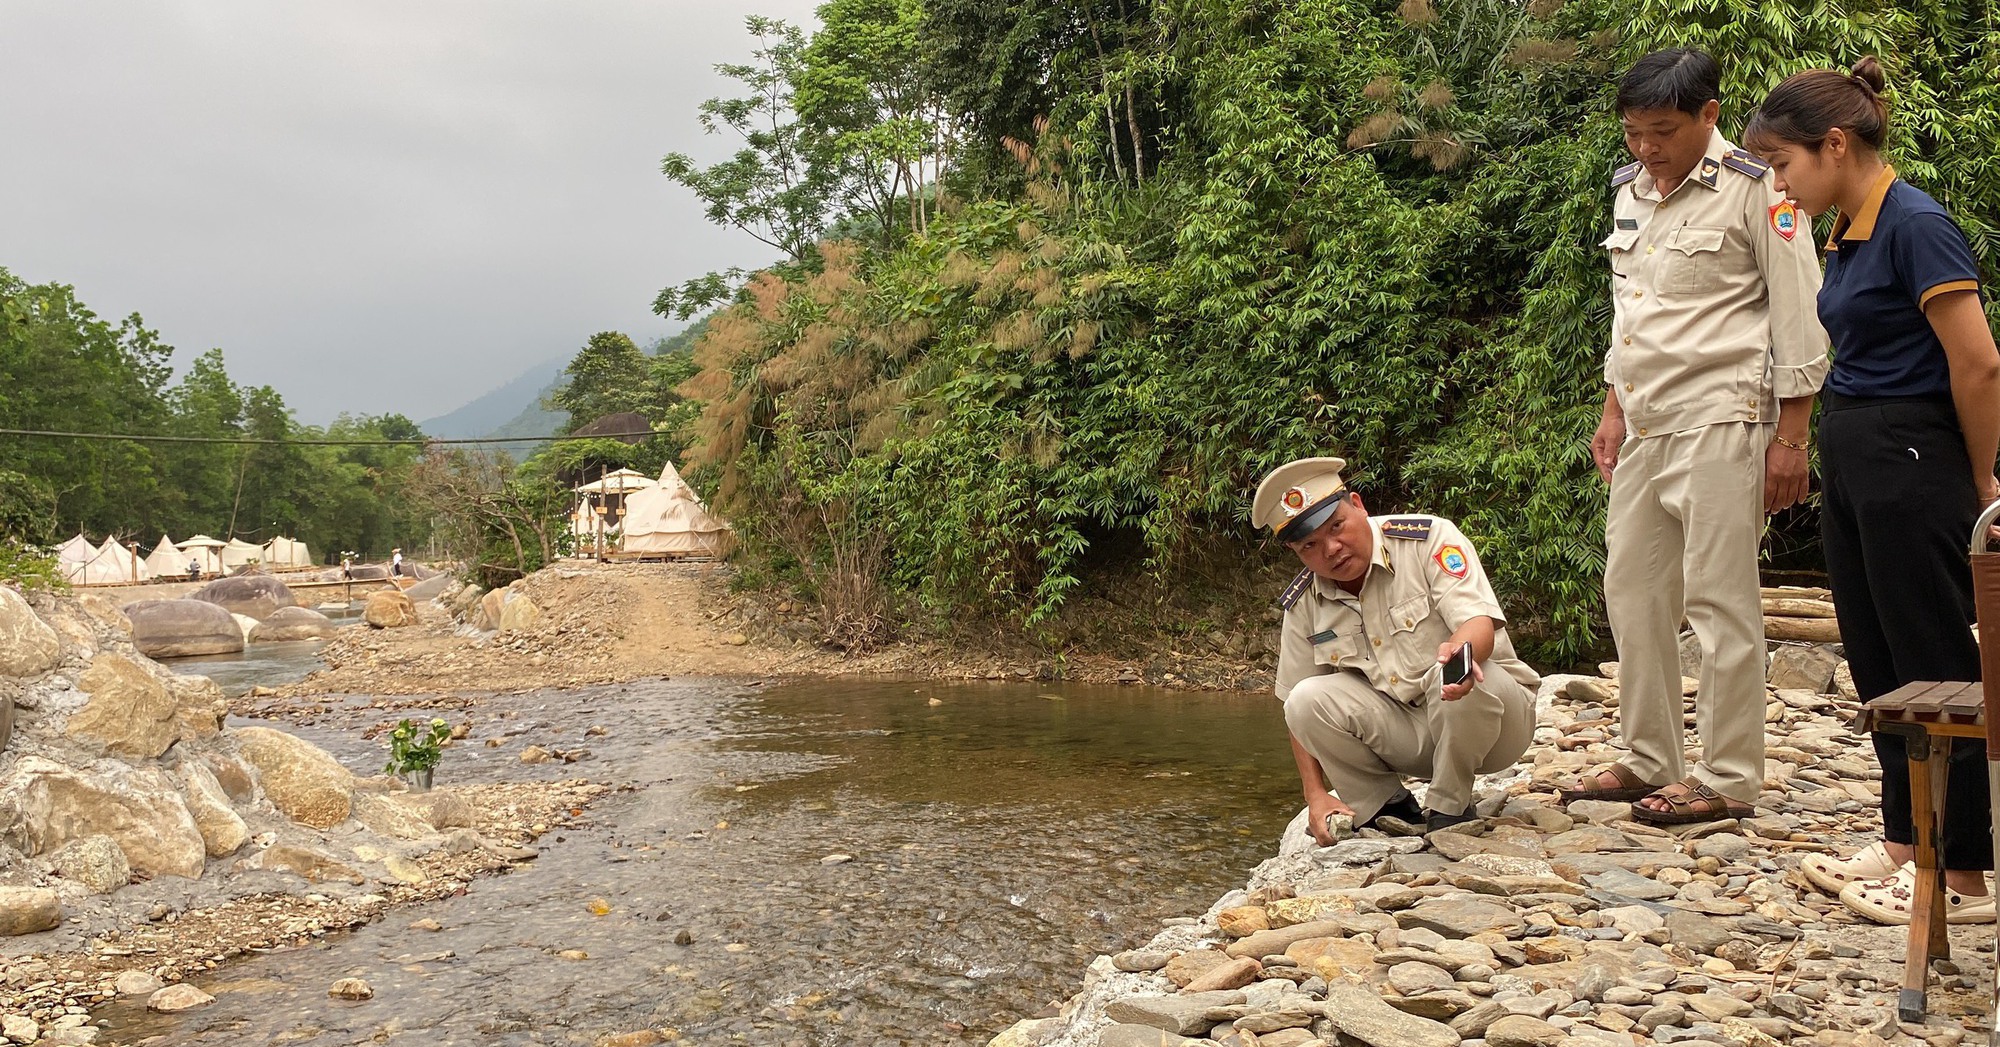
{"x":239,"y":552}
{"x":112,"y":564}
{"x":668,"y":519}
{"x":202,"y":549}
{"x":284,"y":552}
{"x":166,"y":561}
{"x":75,"y":551}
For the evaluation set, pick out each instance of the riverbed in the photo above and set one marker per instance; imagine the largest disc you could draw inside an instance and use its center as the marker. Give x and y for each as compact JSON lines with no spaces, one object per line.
{"x":812,"y":862}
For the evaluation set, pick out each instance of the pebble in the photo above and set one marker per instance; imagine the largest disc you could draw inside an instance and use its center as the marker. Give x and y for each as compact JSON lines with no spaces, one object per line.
{"x":176,"y":998}
{"x":350,"y":989}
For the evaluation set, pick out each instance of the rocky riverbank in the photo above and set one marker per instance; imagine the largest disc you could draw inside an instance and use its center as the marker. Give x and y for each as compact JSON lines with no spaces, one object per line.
{"x":1545,"y":927}
{"x":143,"y":840}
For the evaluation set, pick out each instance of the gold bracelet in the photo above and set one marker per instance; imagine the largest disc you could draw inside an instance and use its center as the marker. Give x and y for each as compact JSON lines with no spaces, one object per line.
{"x":1793,"y":446}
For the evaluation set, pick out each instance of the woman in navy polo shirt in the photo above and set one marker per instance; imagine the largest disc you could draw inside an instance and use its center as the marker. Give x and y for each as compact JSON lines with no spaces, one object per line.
{"x":1910,"y":424}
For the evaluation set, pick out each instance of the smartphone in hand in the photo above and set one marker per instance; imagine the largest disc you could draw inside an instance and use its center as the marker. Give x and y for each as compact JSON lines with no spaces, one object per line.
{"x":1459,"y":666}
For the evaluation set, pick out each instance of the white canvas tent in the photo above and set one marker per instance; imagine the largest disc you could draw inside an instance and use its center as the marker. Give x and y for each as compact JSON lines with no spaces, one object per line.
{"x":75,"y":551}
{"x":609,"y":492}
{"x":201,"y":548}
{"x":624,"y":481}
{"x":669,"y":520}
{"x":284,"y":552}
{"x":166,"y":560}
{"x":113,"y":563}
{"x":239,"y":552}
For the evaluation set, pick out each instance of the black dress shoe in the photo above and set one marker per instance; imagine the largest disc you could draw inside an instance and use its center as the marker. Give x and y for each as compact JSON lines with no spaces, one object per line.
{"x":1435,"y":820}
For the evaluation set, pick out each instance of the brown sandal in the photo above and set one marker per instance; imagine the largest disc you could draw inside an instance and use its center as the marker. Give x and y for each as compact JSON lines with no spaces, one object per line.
{"x":1629,"y":787}
{"x":1681,"y":810}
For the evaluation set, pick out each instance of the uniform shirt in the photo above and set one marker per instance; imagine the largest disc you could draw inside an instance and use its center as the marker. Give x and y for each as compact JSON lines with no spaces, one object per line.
{"x":1883,"y":265}
{"x":1712,"y":289}
{"x":1423,"y":583}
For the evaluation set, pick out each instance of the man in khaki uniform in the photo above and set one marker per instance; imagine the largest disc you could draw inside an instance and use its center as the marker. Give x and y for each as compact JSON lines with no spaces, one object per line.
{"x":1716,"y":354}
{"x":1382,"y":603}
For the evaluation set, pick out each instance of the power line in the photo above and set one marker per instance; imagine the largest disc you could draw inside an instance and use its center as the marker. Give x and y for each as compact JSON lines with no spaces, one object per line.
{"x":422,"y":442}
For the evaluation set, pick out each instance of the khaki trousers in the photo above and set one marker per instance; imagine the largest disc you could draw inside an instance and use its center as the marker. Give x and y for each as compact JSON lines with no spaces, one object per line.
{"x":1368,"y":742}
{"x":1681,"y":537}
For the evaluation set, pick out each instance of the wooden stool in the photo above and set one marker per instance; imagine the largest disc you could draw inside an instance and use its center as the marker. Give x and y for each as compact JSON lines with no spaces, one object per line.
{"x":1927,"y":716}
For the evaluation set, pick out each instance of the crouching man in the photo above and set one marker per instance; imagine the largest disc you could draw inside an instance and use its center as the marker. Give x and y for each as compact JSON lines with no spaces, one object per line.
{"x":1383,"y":604}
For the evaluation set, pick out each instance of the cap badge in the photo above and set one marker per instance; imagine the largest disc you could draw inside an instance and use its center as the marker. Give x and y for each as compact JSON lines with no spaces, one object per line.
{"x":1295,"y":501}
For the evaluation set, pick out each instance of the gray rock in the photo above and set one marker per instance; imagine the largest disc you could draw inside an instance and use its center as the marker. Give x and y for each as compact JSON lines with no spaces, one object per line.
{"x":1363,"y":1017}
{"x":253,"y":595}
{"x":1702,"y":934}
{"x":1519,"y":1030}
{"x":20,"y":1028}
{"x":1473,"y":1023}
{"x":1593,"y":983}
{"x":1590,"y":839}
{"x":1459,"y":846}
{"x":1663,"y":1016}
{"x":1630,"y":884}
{"x":1364,"y":852}
{"x":28,"y":647}
{"x":1414,"y":978}
{"x":1141,"y":1036}
{"x":182,"y":628}
{"x":1716,"y":1006}
{"x":1462,"y":918}
{"x":1727,"y":846}
{"x":95,"y":862}
{"x":1806,"y":667}
{"x":137,"y":983}
{"x":1600,"y":812}
{"x":176,"y":998}
{"x":1186,"y":1015}
{"x":293,"y":623}
{"x":1141,"y":960}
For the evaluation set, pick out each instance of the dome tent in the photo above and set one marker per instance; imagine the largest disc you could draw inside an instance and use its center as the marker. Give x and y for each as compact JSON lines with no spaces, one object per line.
{"x":239,"y":552}
{"x":75,"y":551}
{"x":202,"y":549}
{"x":285,"y":552}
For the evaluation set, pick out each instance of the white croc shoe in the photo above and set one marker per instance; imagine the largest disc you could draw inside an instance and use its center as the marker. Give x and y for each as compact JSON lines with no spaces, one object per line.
{"x":1832,"y":875}
{"x":1891,"y":899}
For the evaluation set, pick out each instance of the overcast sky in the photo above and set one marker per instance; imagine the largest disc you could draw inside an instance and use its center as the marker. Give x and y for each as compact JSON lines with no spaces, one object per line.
{"x":392,"y":205}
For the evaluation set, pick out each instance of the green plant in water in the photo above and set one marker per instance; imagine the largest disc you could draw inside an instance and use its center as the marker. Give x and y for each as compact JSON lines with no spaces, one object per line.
{"x":414,"y":749}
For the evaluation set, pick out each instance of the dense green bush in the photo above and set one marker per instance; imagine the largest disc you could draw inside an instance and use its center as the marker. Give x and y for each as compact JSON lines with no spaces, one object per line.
{"x":1351,"y":228}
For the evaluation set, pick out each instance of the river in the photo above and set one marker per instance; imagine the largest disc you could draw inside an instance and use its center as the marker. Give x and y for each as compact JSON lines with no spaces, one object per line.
{"x":861,"y":861}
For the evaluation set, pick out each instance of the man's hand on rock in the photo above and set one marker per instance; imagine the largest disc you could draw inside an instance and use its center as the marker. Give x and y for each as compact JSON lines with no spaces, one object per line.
{"x":1317,"y":809}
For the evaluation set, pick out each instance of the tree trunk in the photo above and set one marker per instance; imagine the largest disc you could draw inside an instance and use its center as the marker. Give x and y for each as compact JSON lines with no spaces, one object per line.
{"x":1110,"y":112}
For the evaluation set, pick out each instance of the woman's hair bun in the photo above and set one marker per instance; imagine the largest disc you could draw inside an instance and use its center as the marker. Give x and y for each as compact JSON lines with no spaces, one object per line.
{"x":1869,"y":72}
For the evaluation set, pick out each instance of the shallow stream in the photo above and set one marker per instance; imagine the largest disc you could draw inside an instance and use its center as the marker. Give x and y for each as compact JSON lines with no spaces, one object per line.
{"x":997,"y":840}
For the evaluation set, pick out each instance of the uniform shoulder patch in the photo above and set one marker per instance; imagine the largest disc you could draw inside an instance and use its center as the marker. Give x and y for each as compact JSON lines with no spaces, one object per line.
{"x":1413,"y":528}
{"x":1745,"y":164}
{"x":1625,"y":174}
{"x":1296,"y":589}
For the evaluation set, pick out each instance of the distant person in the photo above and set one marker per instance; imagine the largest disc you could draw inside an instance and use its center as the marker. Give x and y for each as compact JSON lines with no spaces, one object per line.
{"x":396,"y":562}
{"x":346,"y":566}
{"x":1383,"y":604}
{"x":194,"y":570}
{"x":1715,"y":357}
{"x":1907,"y":446}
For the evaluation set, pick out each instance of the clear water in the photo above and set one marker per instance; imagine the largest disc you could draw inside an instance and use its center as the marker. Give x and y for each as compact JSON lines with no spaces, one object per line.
{"x":999,"y":841}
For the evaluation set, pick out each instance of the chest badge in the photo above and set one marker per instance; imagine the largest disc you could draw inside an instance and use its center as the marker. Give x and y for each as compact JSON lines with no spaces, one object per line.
{"x":1785,"y":219}
{"x":1452,"y":559}
{"x":1628,"y":224}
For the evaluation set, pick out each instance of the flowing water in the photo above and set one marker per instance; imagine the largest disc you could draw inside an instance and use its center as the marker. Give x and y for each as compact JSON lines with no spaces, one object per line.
{"x":998,"y":840}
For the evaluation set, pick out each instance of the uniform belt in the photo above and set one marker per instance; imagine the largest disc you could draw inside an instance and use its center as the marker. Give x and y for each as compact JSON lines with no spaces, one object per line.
{"x":1832,"y":401}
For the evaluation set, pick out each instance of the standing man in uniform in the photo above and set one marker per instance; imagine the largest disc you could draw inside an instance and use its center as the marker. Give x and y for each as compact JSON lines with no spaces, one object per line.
{"x":1716,"y":355}
{"x":1382,"y":605}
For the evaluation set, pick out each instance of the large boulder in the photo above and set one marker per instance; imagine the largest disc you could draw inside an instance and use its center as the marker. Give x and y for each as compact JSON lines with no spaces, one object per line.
{"x":300,"y":778}
{"x":254,"y":595}
{"x":487,"y":617}
{"x":305,"y":862}
{"x":130,"y":711}
{"x":25,"y":910}
{"x":44,"y":805}
{"x":245,"y":624}
{"x":293,"y":623}
{"x":199,"y":706}
{"x":519,"y":615}
{"x":389,"y":610}
{"x":430,"y":588}
{"x":368,"y":572}
{"x":28,"y":647}
{"x":96,"y":863}
{"x":182,"y":628}
{"x":222,"y":829}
